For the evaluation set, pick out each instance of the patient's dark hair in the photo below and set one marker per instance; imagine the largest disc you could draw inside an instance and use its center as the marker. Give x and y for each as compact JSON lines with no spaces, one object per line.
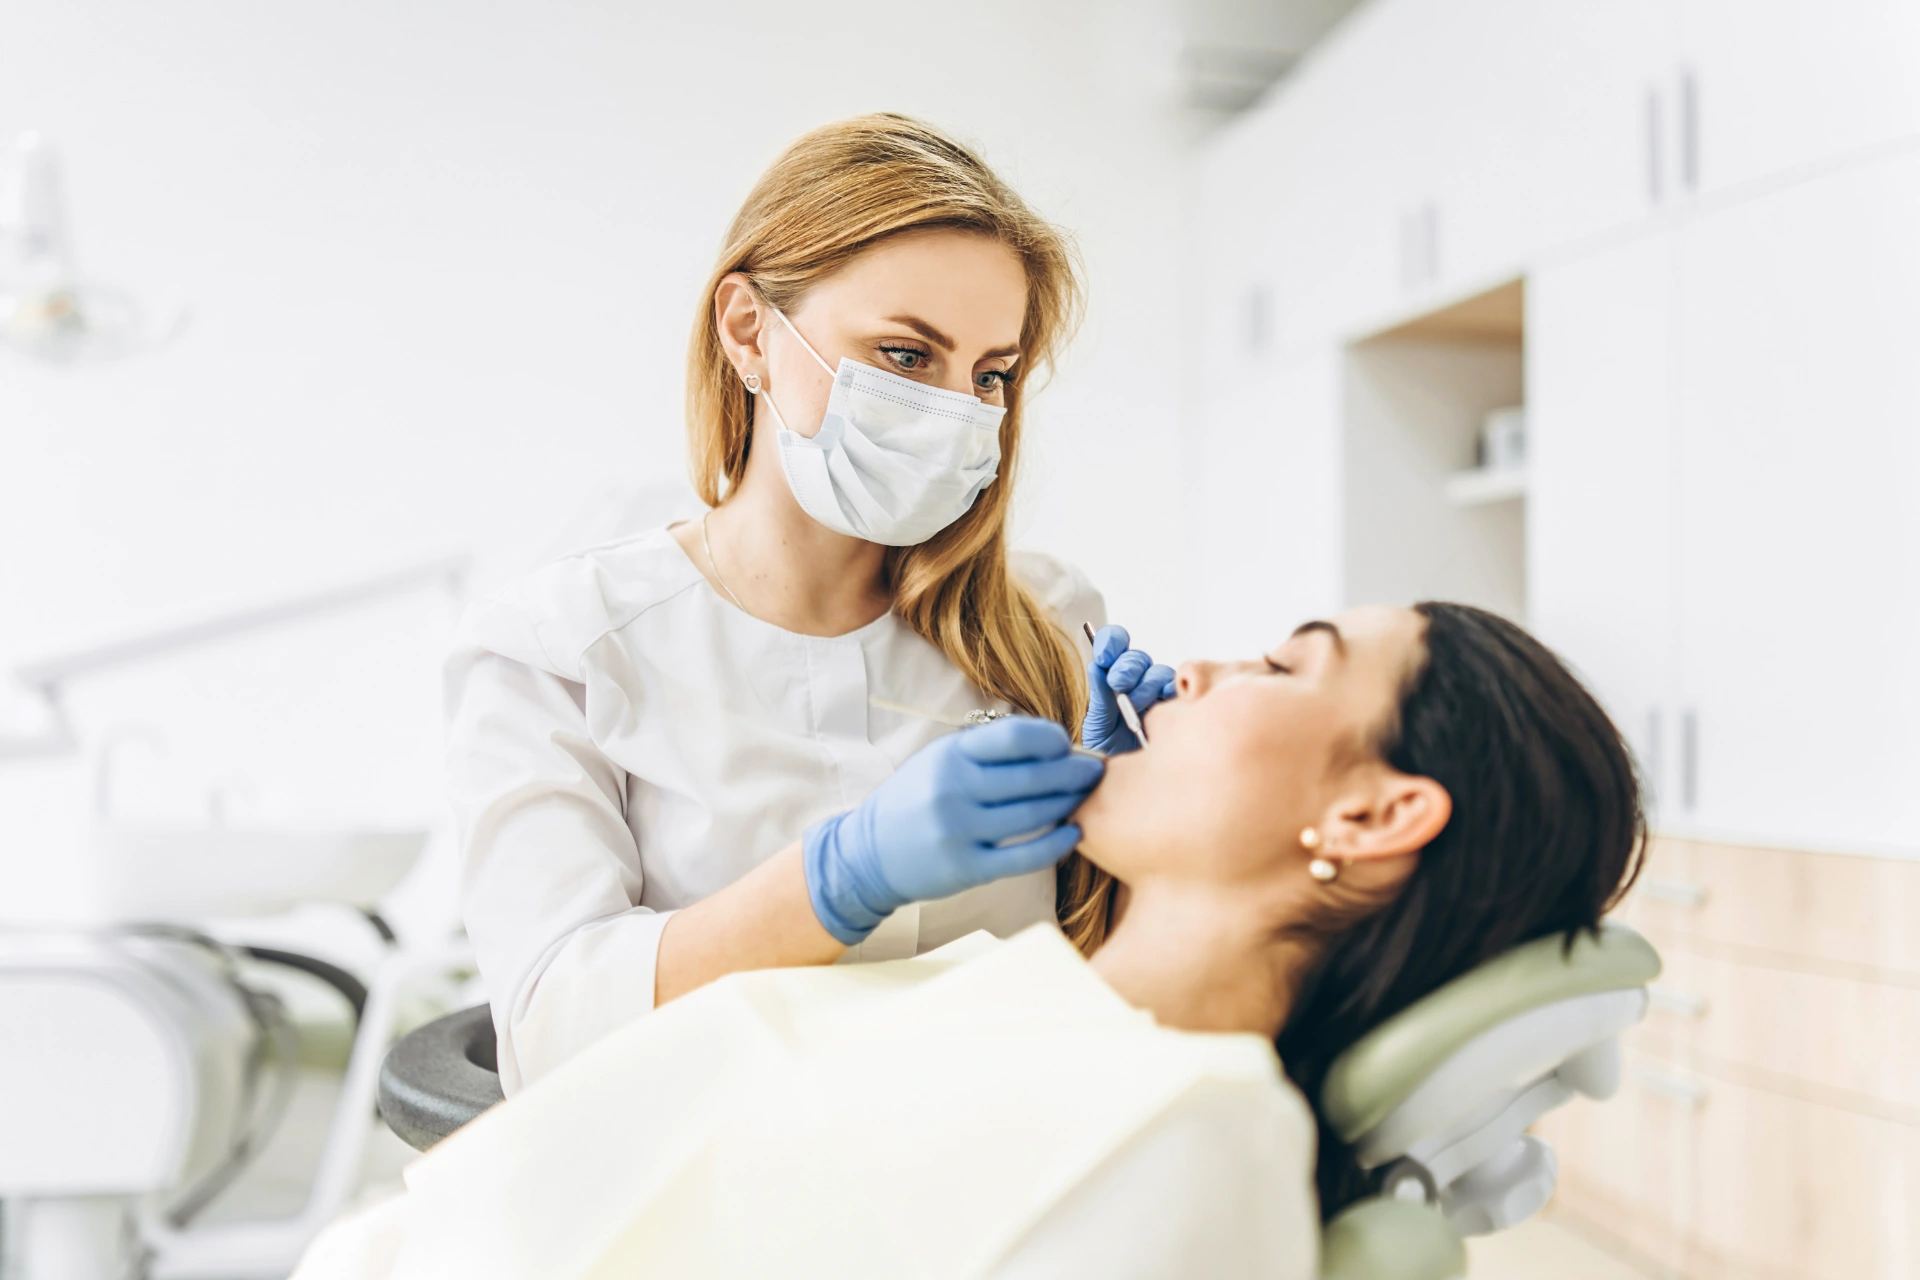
{"x":1546,"y":835}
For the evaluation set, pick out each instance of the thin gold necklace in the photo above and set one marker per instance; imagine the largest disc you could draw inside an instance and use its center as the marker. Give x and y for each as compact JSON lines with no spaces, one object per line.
{"x":707,"y":545}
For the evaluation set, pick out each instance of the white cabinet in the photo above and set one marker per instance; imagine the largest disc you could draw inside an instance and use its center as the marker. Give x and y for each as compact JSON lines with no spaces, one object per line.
{"x":1778,"y":84}
{"x":1555,"y":125}
{"x":1799,"y":472}
{"x":1602,"y":443}
{"x":1432,"y":146}
{"x":1716,"y":205}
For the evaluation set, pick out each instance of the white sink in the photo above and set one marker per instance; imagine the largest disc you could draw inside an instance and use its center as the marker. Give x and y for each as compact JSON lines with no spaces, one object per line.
{"x":167,"y":873}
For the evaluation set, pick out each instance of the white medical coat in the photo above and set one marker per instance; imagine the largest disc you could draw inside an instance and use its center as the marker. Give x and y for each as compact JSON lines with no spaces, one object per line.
{"x":623,"y":742}
{"x":993,"y":1110}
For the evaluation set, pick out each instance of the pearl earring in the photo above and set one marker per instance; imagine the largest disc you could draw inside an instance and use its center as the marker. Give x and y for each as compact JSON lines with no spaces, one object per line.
{"x":753,"y":383}
{"x":1322,"y":869}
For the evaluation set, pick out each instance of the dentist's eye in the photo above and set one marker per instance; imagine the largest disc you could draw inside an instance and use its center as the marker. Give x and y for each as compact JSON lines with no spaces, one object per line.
{"x":990,"y":380}
{"x":907,"y":358}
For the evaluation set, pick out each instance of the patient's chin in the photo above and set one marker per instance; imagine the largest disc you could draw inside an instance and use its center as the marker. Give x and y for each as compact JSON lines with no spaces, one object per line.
{"x":1102,"y":816}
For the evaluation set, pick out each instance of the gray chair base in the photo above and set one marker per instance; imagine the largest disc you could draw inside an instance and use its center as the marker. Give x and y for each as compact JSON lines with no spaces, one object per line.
{"x":440,"y":1076}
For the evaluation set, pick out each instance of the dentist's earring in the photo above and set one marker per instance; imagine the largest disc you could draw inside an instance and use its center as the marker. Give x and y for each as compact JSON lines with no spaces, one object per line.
{"x":753,"y":383}
{"x":1324,"y":870}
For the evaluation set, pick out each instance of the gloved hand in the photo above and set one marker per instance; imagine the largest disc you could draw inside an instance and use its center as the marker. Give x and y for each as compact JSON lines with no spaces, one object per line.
{"x":1119,"y":672}
{"x":937,"y":825}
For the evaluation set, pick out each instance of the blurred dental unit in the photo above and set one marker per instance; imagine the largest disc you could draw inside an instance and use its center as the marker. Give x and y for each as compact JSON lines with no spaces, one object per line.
{"x":157,"y":1036}
{"x":1598,"y":315}
{"x":167,"y":1019}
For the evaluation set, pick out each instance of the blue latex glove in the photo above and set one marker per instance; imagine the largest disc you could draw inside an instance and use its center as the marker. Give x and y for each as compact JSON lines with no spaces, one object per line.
{"x":1119,"y":672}
{"x":937,"y":825}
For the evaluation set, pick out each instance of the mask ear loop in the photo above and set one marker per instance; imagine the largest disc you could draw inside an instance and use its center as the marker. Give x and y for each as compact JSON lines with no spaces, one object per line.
{"x":752,"y":380}
{"x":803,"y":342}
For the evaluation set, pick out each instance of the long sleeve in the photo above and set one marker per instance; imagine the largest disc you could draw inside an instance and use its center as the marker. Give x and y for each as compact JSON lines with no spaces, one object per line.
{"x":551,"y":872}
{"x":624,"y":742}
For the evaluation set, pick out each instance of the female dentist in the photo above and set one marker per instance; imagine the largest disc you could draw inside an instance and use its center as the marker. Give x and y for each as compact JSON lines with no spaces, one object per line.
{"x":726,"y":745}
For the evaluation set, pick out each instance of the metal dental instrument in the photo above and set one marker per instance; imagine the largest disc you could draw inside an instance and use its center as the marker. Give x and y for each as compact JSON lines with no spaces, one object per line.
{"x":1125,"y":703}
{"x":967,"y":721}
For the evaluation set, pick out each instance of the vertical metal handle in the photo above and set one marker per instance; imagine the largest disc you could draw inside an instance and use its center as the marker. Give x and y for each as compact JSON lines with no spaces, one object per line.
{"x":1689,"y":130}
{"x":1419,"y":245}
{"x":1689,"y":760}
{"x":1259,"y":316}
{"x":1409,"y":253}
{"x":1656,"y":756}
{"x":1656,"y":148}
{"x":1431,"y":225}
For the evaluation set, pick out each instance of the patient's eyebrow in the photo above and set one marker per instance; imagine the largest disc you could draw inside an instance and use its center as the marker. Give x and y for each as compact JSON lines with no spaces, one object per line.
{"x":1339,"y":641}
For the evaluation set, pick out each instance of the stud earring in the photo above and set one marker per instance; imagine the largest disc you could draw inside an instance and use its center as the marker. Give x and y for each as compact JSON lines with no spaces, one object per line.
{"x":753,"y":383}
{"x":1322,"y":869}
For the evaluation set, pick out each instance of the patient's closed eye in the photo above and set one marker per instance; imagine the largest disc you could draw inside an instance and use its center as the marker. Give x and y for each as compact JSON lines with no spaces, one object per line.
{"x":1279,"y":668}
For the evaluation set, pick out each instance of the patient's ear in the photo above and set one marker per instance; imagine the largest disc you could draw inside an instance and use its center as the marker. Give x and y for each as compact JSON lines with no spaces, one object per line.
{"x":1387,"y":814}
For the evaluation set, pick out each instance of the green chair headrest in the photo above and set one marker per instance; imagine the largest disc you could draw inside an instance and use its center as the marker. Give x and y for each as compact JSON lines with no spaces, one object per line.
{"x":1391,"y":1240}
{"x":1384,"y":1066}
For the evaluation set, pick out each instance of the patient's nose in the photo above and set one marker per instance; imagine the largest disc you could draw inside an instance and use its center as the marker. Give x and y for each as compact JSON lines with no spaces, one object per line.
{"x":1195,"y":678}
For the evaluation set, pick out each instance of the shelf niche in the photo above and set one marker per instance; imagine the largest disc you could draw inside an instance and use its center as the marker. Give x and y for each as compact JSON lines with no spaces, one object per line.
{"x":1413,"y":400}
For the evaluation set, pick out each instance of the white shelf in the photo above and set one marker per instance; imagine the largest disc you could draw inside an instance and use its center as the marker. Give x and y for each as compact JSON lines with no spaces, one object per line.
{"x":1477,"y":487}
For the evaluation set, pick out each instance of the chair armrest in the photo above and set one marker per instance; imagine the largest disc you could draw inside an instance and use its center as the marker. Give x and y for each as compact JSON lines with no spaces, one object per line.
{"x":439,"y":1077}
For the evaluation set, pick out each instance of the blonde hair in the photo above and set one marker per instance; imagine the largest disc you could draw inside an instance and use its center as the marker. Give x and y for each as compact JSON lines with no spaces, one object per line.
{"x":834,"y":194}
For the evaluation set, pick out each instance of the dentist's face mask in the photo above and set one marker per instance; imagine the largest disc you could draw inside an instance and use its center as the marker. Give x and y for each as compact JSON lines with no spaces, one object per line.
{"x":894,"y":461}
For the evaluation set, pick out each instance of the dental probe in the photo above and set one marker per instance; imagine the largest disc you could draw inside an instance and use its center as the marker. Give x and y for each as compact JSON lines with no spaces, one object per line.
{"x":1125,"y":703}
{"x":967,"y":721}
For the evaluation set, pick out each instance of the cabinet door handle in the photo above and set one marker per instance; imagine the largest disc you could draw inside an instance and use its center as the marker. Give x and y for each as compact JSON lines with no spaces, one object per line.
{"x":1684,"y":1004}
{"x":1409,"y":249}
{"x":1688,"y":1092}
{"x":1655,"y":140}
{"x":1656,"y":767}
{"x":1419,"y":245}
{"x":1689,"y":760}
{"x":1680,"y":893}
{"x":1432,"y":237}
{"x":1689,"y":130}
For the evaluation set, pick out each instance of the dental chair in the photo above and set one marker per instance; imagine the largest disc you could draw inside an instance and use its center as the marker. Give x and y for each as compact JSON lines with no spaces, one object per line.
{"x":146,"y":1067}
{"x":1436,"y":1100}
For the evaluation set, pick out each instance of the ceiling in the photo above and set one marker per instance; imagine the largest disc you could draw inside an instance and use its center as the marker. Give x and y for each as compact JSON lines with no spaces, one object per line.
{"x":1232,"y":51}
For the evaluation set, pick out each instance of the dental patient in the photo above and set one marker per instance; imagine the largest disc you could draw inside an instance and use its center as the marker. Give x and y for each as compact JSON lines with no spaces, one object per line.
{"x":1312,"y":841}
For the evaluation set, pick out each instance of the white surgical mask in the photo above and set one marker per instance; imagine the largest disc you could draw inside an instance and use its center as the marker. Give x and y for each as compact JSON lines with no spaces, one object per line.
{"x":894,"y":461}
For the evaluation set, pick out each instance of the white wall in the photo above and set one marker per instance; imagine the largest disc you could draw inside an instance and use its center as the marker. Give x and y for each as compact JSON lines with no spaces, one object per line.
{"x":441,"y":261}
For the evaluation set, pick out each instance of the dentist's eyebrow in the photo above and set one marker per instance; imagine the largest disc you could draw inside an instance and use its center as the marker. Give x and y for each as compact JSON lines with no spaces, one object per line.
{"x":925,"y":330}
{"x":1339,"y":641}
{"x":945,"y":343}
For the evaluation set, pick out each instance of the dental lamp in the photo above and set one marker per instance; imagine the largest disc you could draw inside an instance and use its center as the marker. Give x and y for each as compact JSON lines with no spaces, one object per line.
{"x":46,"y":310}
